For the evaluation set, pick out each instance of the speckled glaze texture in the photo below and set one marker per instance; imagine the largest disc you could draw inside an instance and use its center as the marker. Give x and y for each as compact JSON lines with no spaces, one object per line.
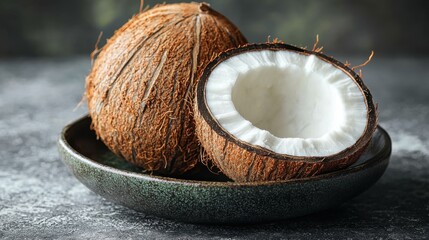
{"x":203,"y":201}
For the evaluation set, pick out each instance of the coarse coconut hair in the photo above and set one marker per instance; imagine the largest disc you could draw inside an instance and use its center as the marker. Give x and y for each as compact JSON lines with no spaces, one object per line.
{"x":141,"y":87}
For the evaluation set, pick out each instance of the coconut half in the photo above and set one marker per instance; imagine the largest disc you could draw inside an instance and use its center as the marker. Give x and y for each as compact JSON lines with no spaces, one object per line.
{"x":274,"y":111}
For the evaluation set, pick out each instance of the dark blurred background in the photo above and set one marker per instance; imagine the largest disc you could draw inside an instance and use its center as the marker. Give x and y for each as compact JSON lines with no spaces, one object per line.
{"x":63,"y":28}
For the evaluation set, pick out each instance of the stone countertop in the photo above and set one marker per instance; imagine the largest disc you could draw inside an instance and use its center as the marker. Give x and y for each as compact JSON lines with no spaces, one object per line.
{"x":39,"y":198}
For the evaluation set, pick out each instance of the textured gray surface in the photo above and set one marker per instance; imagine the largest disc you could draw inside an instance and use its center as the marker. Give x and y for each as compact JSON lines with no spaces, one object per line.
{"x":39,"y":198}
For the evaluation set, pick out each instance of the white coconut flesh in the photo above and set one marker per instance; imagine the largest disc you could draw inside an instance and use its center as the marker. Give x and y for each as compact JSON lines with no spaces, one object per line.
{"x":287,"y":102}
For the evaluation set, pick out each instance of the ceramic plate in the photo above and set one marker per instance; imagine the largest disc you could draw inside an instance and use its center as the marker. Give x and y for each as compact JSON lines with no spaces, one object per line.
{"x":205,"y":197}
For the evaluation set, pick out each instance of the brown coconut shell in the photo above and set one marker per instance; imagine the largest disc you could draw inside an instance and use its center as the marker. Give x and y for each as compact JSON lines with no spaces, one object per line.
{"x":141,"y":87}
{"x":244,"y":162}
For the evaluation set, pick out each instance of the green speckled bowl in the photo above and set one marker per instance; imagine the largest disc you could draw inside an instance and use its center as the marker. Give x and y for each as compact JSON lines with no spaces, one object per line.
{"x":205,"y":197}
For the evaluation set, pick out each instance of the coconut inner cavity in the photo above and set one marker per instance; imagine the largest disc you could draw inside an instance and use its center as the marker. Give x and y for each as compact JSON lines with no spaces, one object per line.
{"x":287,"y":102}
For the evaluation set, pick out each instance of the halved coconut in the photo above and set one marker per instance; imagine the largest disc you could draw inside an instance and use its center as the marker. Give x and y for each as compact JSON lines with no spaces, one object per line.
{"x":274,"y":111}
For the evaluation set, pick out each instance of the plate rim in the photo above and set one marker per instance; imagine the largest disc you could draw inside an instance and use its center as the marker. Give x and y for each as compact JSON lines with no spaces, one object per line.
{"x":378,"y":158}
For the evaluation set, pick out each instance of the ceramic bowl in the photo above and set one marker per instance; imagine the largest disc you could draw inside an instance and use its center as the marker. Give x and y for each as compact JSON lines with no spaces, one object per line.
{"x":205,"y":197}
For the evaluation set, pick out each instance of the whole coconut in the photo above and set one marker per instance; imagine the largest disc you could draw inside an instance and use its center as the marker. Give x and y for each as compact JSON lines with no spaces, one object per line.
{"x":141,"y":87}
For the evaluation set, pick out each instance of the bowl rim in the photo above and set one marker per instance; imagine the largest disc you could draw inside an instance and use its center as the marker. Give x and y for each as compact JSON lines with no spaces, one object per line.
{"x":63,"y":143}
